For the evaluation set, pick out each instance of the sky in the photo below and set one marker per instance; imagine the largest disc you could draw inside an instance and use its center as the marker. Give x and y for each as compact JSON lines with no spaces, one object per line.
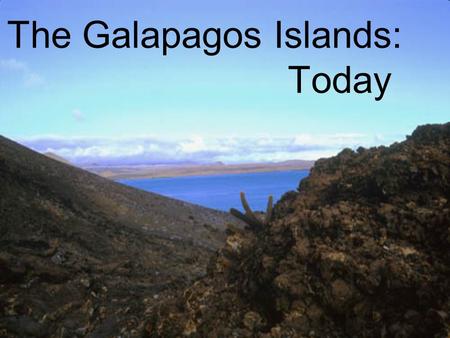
{"x":138,"y":106}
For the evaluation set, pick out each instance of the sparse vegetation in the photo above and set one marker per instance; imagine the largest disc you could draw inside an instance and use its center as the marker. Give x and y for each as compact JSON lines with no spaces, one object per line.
{"x":361,"y":250}
{"x":255,"y":221}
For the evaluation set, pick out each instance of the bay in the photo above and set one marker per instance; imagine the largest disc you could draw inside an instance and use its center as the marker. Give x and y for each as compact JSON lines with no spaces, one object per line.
{"x":222,"y":191}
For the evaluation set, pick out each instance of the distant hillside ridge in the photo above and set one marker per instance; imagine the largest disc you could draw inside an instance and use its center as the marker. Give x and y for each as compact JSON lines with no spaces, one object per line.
{"x":173,"y":170}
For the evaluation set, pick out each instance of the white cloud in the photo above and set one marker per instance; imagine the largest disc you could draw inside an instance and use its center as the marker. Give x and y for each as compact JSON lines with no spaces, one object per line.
{"x":339,"y":139}
{"x":29,"y":77}
{"x":152,"y":150}
{"x":194,"y":145}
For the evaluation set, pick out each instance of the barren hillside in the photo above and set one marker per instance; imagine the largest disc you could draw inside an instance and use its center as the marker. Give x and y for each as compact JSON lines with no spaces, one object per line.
{"x":82,"y":256}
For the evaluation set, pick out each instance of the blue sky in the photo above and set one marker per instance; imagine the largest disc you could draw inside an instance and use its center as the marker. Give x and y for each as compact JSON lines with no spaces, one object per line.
{"x":192,"y":107}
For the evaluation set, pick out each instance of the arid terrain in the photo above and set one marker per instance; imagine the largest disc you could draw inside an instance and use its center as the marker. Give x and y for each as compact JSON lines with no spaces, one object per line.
{"x":82,"y":256}
{"x":158,"y":171}
{"x":361,"y":250}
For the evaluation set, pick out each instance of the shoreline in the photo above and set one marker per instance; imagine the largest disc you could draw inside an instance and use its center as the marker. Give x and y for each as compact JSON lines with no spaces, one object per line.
{"x":153,"y":172}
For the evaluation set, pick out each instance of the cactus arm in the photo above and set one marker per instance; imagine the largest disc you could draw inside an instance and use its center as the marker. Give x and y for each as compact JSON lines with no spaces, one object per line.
{"x":248,"y":211}
{"x":269,"y":210}
{"x":253,"y":223}
{"x":249,"y":217}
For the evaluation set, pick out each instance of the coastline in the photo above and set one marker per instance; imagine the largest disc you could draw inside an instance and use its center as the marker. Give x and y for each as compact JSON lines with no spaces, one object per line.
{"x":171,"y":171}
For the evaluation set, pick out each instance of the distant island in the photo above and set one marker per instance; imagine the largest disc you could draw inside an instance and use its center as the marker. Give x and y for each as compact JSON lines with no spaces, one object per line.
{"x":176,"y":170}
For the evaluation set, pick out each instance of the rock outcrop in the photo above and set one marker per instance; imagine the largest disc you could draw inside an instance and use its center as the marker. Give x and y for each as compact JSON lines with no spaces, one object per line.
{"x":361,"y":250}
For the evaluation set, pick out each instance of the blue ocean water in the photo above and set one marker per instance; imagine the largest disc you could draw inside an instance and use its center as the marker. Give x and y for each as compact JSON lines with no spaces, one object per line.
{"x":222,"y":191}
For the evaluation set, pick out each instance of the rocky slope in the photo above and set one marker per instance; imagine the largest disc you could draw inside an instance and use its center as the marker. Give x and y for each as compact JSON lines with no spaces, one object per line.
{"x":362,"y":250}
{"x":83,"y":256}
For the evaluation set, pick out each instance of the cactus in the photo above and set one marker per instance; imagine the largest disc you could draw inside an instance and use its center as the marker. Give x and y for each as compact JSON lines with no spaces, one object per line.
{"x":250,"y":217}
{"x":269,"y":210}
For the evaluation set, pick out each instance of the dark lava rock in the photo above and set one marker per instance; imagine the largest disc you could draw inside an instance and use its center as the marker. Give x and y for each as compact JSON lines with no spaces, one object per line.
{"x":361,"y":250}
{"x":82,"y":256}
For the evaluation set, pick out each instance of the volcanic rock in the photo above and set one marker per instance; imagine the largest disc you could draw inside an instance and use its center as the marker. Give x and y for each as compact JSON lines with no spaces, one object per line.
{"x":82,"y":256}
{"x":360,"y":250}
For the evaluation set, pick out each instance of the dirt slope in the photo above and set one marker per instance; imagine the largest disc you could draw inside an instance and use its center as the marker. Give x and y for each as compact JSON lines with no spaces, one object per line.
{"x":83,"y":256}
